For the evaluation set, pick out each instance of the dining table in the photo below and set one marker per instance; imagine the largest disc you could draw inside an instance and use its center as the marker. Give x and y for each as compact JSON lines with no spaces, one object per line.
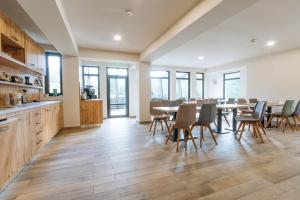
{"x":220,"y":108}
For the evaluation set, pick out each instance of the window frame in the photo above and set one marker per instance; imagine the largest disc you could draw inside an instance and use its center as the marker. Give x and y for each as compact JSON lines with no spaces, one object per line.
{"x":189,"y":82}
{"x":162,"y":78}
{"x":47,"y":84}
{"x":198,"y":79}
{"x":97,"y":75}
{"x":229,"y":79}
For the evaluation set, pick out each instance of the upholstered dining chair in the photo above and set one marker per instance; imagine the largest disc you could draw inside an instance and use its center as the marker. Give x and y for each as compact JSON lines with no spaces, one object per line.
{"x":206,"y":117}
{"x":283,"y":116}
{"x":158,"y":116}
{"x":253,"y":120}
{"x":242,"y":101}
{"x":296,"y":114}
{"x":186,"y":117}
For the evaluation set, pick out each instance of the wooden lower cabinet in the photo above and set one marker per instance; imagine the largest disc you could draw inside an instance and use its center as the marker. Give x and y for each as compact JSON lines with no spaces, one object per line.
{"x":91,"y":112}
{"x":23,"y":134}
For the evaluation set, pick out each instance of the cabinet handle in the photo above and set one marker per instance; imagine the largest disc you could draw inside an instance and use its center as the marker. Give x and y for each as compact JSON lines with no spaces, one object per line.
{"x":13,"y":37}
{"x":39,"y":141}
{"x":37,"y":133}
{"x":37,"y":123}
{"x":3,"y":130}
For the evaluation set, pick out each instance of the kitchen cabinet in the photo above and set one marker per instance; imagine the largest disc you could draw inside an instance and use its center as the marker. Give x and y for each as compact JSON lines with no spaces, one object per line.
{"x":8,"y":134}
{"x":2,"y":24}
{"x":60,"y":117}
{"x":41,"y":58}
{"x":91,"y":112}
{"x":31,"y":53}
{"x":22,"y":134}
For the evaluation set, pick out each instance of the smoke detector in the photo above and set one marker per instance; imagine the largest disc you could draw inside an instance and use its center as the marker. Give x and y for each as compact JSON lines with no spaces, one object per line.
{"x":129,"y":13}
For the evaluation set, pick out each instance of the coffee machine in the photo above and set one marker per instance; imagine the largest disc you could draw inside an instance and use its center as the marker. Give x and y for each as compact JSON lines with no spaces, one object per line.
{"x":90,"y":92}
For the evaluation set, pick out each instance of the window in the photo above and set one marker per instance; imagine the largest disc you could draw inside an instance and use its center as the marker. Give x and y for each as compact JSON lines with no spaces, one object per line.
{"x":90,"y":77}
{"x":200,"y":85}
{"x":183,"y":85}
{"x":231,"y":86}
{"x":160,"y":82}
{"x":53,"y":73}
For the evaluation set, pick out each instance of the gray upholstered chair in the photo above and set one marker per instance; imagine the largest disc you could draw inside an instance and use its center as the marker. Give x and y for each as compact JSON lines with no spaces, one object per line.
{"x":185,"y":118}
{"x":283,"y":116}
{"x":296,"y":114}
{"x":206,"y":117}
{"x":158,"y":116}
{"x":254,"y":120}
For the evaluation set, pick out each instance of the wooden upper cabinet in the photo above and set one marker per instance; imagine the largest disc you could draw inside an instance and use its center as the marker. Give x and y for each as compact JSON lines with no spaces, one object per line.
{"x":12,"y":31}
{"x":2,"y":24}
{"x":31,"y":52}
{"x":41,"y":58}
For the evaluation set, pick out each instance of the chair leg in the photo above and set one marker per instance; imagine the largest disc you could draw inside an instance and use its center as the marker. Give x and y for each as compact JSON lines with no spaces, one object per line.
{"x":161,"y":125}
{"x":295,"y":122}
{"x":212,"y":134}
{"x":193,"y":126}
{"x":170,"y":134}
{"x":151,"y":125}
{"x":289,"y":123}
{"x":239,"y":127}
{"x":269,"y":122}
{"x":192,"y":137}
{"x":254,"y":130}
{"x":226,"y":120}
{"x":258,"y":132}
{"x":282,"y":124}
{"x":215,"y":124}
{"x":242,"y":131}
{"x":277,"y":122}
{"x":178,"y":136}
{"x":262,"y":127}
{"x":166,"y":123}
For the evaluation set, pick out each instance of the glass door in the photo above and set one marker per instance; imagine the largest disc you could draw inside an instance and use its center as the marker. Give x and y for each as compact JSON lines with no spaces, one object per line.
{"x":117,"y":92}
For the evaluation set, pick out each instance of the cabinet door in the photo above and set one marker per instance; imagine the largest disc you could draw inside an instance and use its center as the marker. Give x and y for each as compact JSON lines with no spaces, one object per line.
{"x":60,"y":117}
{"x":14,"y":33}
{"x":31,"y":52}
{"x":49,"y":126}
{"x":8,"y":132}
{"x":24,"y":126}
{"x":2,"y":24}
{"x":41,"y":59}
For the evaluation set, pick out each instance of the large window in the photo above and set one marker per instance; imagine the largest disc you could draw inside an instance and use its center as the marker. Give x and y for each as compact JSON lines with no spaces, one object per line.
{"x":232,"y":85}
{"x":53,"y":80}
{"x":183,"y":85}
{"x":200,"y":85}
{"x":90,"y":78}
{"x":160,"y":84}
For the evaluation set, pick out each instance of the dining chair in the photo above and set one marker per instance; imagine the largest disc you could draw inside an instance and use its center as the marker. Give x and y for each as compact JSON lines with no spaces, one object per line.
{"x":252,"y":100}
{"x":253,"y":120}
{"x":192,"y":99}
{"x":206,"y":117}
{"x":296,"y":114}
{"x":186,"y":117}
{"x":283,"y":116}
{"x":158,"y":116}
{"x":242,"y":101}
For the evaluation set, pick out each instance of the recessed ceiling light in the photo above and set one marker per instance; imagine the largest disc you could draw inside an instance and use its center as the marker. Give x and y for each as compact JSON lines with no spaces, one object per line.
{"x":270,"y":43}
{"x":117,"y":37}
{"x":200,"y":57}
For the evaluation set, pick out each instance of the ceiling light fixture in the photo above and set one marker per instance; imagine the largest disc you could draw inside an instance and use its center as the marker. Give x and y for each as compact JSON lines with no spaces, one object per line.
{"x":129,"y":13}
{"x":270,"y":43}
{"x":117,"y":37}
{"x":200,"y":58}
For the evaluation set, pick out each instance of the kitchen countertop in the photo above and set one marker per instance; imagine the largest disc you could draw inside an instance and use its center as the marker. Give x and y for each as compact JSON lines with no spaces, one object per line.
{"x":27,"y":106}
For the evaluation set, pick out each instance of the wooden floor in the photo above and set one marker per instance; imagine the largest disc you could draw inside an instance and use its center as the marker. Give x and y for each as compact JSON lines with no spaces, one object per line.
{"x":122,"y":160}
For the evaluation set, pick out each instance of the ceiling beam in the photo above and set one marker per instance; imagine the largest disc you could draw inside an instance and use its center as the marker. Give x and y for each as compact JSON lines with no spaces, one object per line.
{"x":207,"y":14}
{"x":50,"y":17}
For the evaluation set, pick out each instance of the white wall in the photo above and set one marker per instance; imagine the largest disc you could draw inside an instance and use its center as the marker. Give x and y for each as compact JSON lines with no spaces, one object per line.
{"x":172,"y":70}
{"x":71,"y":86}
{"x":274,"y":77}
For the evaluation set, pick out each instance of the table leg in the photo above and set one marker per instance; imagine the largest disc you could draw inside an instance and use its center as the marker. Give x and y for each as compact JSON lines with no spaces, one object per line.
{"x":233,"y":119}
{"x":219,"y":122}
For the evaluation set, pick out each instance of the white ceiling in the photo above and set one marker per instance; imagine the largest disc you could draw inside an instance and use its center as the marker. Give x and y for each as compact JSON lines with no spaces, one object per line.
{"x":229,"y":41}
{"x":94,"y":22}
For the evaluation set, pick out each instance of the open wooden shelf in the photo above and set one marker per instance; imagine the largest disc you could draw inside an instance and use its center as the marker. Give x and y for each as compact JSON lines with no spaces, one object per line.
{"x":11,"y":62}
{"x":19,"y":85}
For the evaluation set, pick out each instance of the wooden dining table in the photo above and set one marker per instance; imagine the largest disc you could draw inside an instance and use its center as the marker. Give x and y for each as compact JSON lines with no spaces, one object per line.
{"x":220,"y":108}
